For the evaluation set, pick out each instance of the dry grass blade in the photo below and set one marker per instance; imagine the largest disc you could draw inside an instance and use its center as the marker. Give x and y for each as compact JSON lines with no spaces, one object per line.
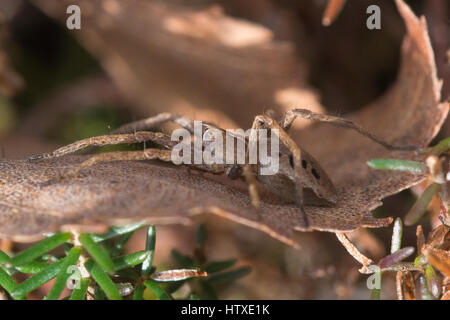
{"x":333,"y":9}
{"x":353,"y":250}
{"x":399,"y":285}
{"x":410,"y":113}
{"x":420,"y":239}
{"x":177,"y":275}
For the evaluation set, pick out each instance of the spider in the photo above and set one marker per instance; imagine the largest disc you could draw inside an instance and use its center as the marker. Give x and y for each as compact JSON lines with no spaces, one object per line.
{"x":298,"y":170}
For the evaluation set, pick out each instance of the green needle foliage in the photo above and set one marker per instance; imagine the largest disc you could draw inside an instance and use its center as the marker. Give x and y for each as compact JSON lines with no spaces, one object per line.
{"x":130,"y":260}
{"x":150,"y":248}
{"x":61,"y":280}
{"x":80,"y":292}
{"x":4,"y":258}
{"x":441,"y":147}
{"x":97,"y":252}
{"x":32,"y":267}
{"x":421,"y":205}
{"x":40,"y":248}
{"x":159,"y":292}
{"x":397,"y":165}
{"x":7,"y":282}
{"x":38,"y":280}
{"x":96,"y":267}
{"x":103,"y":280}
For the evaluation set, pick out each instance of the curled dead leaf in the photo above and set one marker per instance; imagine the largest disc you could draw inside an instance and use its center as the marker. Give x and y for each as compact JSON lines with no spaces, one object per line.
{"x":440,"y":259}
{"x":410,"y":113}
{"x":440,"y":237}
{"x":204,"y":64}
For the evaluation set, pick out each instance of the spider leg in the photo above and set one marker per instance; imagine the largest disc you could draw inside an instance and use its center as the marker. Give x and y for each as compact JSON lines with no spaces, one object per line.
{"x":266,"y":121}
{"x":250,"y":178}
{"x":339,"y":122}
{"x":100,"y":141}
{"x":155,"y":121}
{"x":147,"y":154}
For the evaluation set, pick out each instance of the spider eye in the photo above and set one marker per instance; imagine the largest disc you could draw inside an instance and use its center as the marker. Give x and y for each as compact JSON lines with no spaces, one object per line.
{"x":304,"y":164}
{"x":291,"y":160}
{"x":315,"y":174}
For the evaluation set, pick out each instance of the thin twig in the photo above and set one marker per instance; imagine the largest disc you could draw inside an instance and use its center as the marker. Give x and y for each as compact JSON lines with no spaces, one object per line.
{"x":353,"y":250}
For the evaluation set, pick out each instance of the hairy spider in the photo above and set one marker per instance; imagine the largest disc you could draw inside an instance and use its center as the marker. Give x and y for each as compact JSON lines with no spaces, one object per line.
{"x":298,"y":170}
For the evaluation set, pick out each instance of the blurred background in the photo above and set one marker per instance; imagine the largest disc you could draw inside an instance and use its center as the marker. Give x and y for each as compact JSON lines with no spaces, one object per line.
{"x":223,"y":61}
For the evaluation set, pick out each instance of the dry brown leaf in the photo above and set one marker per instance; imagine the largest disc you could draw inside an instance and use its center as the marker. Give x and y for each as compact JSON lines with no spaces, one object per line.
{"x":440,"y":259}
{"x":409,"y":113}
{"x":405,"y":285}
{"x":194,"y":61}
{"x":440,"y":237}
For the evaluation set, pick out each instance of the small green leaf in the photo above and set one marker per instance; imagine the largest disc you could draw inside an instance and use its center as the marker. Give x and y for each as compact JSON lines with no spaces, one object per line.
{"x":103,"y":280}
{"x":98,"y":253}
{"x":120,"y":244}
{"x":421,"y":205}
{"x":397,"y":231}
{"x":38,"y":279}
{"x":150,"y":248}
{"x":48,"y":258}
{"x":33,"y":267}
{"x":398,"y":165}
{"x":218,"y":266}
{"x":40,"y":248}
{"x":80,"y":293}
{"x":130,"y":260}
{"x":159,"y":292}
{"x":432,"y":281}
{"x":440,"y":148}
{"x":4,"y":258}
{"x":7,"y":282}
{"x":116,"y":231}
{"x":229,"y":276}
{"x":193,"y":296}
{"x":61,"y":281}
{"x":420,"y":261}
{"x":139,"y":292}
